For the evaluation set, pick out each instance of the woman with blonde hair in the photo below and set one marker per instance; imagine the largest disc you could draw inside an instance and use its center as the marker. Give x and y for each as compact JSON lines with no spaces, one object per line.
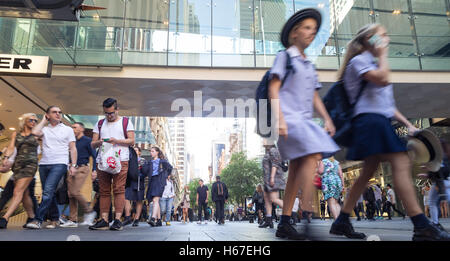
{"x":185,"y":203}
{"x":374,"y":140}
{"x":25,"y":145}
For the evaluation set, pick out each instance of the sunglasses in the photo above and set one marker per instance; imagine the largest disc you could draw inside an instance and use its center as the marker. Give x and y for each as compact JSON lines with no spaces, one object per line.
{"x":109,"y":113}
{"x":32,"y":120}
{"x":56,"y":112}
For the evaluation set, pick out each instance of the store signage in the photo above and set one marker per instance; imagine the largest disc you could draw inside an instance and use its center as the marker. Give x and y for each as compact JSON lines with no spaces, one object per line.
{"x":25,"y":65}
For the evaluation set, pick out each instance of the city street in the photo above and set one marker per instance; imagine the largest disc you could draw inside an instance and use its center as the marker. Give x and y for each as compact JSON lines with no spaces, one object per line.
{"x":386,"y":230}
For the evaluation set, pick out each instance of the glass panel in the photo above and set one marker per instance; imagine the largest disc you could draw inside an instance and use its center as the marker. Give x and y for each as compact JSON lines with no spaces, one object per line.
{"x":350,"y":16}
{"x":15,"y":35}
{"x":146,"y":32}
{"x":99,"y":34}
{"x":270,"y":18}
{"x":190,"y":33}
{"x":432,"y":20}
{"x":233,"y":41}
{"x":322,"y":50}
{"x":393,"y":15}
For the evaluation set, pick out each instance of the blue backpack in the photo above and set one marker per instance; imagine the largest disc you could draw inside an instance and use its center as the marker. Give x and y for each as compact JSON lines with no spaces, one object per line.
{"x":262,"y":97}
{"x":340,"y":109}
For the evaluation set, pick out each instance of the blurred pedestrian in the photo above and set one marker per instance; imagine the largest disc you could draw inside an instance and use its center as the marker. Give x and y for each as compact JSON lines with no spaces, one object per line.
{"x":58,"y":145}
{"x":258,"y":200}
{"x":365,"y":72}
{"x":332,"y":183}
{"x":134,"y":193}
{"x":219,"y":193}
{"x":22,"y":150}
{"x":185,"y":203}
{"x":157,"y":170}
{"x":166,"y":201}
{"x":202,"y":201}
{"x":301,"y":140}
{"x":119,"y":132}
{"x":274,"y":181}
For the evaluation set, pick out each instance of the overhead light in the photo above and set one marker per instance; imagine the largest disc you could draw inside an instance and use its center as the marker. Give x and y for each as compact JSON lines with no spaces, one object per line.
{"x":96,"y":17}
{"x":20,"y":118}
{"x":13,"y":129}
{"x":396,"y":12}
{"x":0,"y":104}
{"x":321,"y":5}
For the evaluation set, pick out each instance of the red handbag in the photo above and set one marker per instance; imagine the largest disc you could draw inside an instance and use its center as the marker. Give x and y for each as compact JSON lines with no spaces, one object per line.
{"x":317,"y":181}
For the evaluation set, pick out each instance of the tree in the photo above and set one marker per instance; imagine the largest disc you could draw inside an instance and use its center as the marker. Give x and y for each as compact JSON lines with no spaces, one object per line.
{"x":241,"y":177}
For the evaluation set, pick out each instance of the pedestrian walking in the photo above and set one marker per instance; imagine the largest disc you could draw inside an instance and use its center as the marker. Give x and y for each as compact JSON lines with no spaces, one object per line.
{"x":274,"y":181}
{"x":185,"y":203}
{"x":258,"y":200}
{"x":369,"y":198}
{"x":166,"y":201}
{"x":301,"y":140}
{"x":202,"y":201}
{"x":425,"y":192}
{"x":391,"y":202}
{"x":116,"y":132}
{"x":57,"y":140}
{"x":157,"y":170}
{"x":377,"y":191}
{"x":332,"y":183}
{"x":76,"y":181}
{"x":22,"y":151}
{"x":322,"y":207}
{"x":134,"y":193}
{"x":219,"y":193}
{"x":373,"y":137}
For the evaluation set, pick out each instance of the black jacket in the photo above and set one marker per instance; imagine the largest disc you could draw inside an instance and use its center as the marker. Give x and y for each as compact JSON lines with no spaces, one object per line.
{"x":369,"y":195}
{"x":164,"y":170}
{"x":215,"y":191}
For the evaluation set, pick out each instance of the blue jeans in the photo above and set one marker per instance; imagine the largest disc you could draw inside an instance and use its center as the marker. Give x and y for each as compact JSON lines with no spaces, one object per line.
{"x":166,"y":206}
{"x":433,"y":200}
{"x":50,"y":176}
{"x":64,"y":210}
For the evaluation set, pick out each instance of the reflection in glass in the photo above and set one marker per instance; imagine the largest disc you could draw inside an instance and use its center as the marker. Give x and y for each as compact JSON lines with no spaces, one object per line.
{"x":233,"y":34}
{"x":146,"y":32}
{"x":190,"y":33}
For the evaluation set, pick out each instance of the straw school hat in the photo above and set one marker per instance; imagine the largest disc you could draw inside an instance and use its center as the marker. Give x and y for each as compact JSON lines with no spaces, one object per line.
{"x":425,"y":148}
{"x":295,"y":19}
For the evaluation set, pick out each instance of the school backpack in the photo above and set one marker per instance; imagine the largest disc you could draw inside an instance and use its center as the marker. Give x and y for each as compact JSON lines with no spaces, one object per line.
{"x":340,"y":109}
{"x":262,"y":97}
{"x":133,"y":166}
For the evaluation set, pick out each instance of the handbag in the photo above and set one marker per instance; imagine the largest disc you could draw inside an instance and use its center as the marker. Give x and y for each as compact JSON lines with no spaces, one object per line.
{"x":110,"y":159}
{"x":317,"y":181}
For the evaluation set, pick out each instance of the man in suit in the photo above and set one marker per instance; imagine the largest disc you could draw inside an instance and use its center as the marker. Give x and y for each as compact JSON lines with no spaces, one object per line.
{"x":219,"y":196}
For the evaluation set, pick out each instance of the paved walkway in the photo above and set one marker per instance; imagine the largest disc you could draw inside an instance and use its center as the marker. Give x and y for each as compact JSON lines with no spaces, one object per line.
{"x":386,"y":230}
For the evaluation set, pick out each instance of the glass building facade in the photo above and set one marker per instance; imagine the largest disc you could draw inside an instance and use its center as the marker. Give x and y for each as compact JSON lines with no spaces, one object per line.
{"x":229,"y":33}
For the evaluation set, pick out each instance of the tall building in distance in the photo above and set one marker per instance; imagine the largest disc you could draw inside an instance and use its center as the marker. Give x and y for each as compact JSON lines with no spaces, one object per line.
{"x":177,"y":137}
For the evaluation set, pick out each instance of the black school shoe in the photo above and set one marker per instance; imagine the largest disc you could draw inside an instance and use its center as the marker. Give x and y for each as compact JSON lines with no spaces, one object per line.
{"x":3,"y":223}
{"x":346,"y":229}
{"x":100,"y":225}
{"x":431,"y":232}
{"x":127,"y":221}
{"x":152,"y":222}
{"x":135,"y":223}
{"x":287,"y":230}
{"x":159,"y":223}
{"x":116,"y":225}
{"x":28,"y":221}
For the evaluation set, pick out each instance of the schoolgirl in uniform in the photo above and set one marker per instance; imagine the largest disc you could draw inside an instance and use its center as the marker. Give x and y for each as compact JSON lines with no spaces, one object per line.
{"x":374,"y":139}
{"x":301,"y":140}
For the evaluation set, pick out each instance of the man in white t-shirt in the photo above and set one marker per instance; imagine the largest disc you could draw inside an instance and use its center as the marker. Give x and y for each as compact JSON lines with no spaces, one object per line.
{"x":57,"y":141}
{"x":391,"y":202}
{"x":112,"y":130}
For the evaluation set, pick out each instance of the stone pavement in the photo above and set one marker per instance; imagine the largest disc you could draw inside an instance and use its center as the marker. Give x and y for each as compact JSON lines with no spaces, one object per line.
{"x":387,"y":230}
